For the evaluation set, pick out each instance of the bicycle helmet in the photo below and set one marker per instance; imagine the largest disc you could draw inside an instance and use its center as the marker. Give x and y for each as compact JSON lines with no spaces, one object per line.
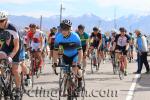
{"x":32,"y":26}
{"x":3,"y":15}
{"x":81,"y":26}
{"x":65,"y":24}
{"x":95,"y":29}
{"x":114,"y":31}
{"x":122,"y":29}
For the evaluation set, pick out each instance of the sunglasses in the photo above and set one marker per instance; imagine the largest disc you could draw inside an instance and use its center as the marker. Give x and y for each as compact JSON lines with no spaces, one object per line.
{"x":1,"y":21}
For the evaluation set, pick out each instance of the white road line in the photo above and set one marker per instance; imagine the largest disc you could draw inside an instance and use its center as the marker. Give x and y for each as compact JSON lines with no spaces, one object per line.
{"x":132,"y":88}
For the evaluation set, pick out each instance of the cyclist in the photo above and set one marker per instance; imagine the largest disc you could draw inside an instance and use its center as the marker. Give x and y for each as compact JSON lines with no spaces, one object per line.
{"x":51,"y":39}
{"x":35,"y":42}
{"x":9,"y":43}
{"x":96,"y":42}
{"x":121,"y":43}
{"x":112,"y":39}
{"x":107,"y":44}
{"x":84,"y":40}
{"x":72,"y":47}
{"x":23,"y":55}
{"x":131,"y":47}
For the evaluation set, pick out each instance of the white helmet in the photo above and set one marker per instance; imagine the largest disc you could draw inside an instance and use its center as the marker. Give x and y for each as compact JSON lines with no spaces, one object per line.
{"x":114,"y":31}
{"x":3,"y":15}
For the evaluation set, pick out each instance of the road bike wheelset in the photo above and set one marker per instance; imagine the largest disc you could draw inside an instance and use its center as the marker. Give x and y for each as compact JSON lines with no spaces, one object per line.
{"x":83,"y":90}
{"x":32,"y":71}
{"x":115,"y":66}
{"x":98,"y":63}
{"x":121,"y":70}
{"x":5,"y":80}
{"x":91,"y":66}
{"x":72,"y":87}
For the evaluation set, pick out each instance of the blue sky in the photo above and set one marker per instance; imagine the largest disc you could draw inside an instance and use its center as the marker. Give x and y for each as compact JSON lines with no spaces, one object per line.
{"x":101,"y":8}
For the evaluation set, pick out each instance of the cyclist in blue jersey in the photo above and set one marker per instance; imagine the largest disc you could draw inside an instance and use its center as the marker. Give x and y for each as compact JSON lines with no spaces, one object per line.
{"x":72,"y":47}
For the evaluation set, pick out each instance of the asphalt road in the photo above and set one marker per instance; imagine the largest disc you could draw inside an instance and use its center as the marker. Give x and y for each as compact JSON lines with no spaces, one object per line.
{"x":102,"y":85}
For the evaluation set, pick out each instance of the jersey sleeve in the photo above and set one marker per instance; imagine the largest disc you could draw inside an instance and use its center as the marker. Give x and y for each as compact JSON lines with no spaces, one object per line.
{"x":116,"y":38}
{"x":86,"y":36}
{"x":128,"y":38}
{"x":91,"y":35}
{"x":78,"y":42}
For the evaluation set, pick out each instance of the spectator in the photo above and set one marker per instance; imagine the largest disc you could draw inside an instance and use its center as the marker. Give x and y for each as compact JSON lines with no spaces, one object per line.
{"x":142,"y":49}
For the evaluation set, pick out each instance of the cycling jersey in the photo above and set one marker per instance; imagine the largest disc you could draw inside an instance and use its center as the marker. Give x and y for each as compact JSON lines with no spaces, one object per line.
{"x":84,"y":37}
{"x":6,"y":40}
{"x":51,"y":44}
{"x":71,"y":44}
{"x":122,"y":40}
{"x":112,"y":40}
{"x":35,"y":40}
{"x":132,"y":40}
{"x":96,"y":39}
{"x":52,"y":36}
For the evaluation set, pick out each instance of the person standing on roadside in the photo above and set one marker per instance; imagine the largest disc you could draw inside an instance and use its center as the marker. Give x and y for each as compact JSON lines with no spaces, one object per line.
{"x":142,"y":49}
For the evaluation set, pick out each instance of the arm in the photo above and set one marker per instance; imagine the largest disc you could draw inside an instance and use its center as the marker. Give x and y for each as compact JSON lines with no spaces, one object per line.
{"x":41,"y":42}
{"x":55,"y":51}
{"x":100,"y":42}
{"x":87,"y":45}
{"x":16,"y":47}
{"x":49,"y":39}
{"x":55,"y":55}
{"x":80,"y":56}
{"x":128,"y":41}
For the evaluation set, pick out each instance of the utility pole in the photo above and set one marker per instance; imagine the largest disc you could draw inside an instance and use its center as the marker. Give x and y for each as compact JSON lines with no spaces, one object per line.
{"x":41,"y":19}
{"x":115,"y":22}
{"x":99,"y":23}
{"x":61,"y":10}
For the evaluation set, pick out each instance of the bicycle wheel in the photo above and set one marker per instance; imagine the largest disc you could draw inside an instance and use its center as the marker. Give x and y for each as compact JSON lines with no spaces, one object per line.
{"x":37,"y":72}
{"x":32,"y":72}
{"x":1,"y":91}
{"x":72,"y":88}
{"x":83,"y":92}
{"x":98,"y":63}
{"x":62,"y":88}
{"x":22,"y":88}
{"x":115,"y":68}
{"x":121,"y":71}
{"x":8,"y":83}
{"x":72,"y":95}
{"x":91,"y":65}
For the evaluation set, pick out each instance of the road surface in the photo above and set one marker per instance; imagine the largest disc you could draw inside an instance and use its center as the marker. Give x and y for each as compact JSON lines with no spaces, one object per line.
{"x":102,"y":85}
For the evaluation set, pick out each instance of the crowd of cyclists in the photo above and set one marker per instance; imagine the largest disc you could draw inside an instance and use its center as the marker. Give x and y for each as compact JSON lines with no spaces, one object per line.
{"x":77,"y":47}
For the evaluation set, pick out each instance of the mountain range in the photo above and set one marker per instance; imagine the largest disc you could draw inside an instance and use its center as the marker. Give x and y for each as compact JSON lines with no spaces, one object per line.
{"x":130,"y":22}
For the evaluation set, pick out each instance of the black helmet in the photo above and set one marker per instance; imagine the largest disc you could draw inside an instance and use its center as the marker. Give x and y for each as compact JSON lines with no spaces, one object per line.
{"x":122,"y":29}
{"x":32,"y":26}
{"x":95,"y":29}
{"x":130,"y":33}
{"x":81,"y":26}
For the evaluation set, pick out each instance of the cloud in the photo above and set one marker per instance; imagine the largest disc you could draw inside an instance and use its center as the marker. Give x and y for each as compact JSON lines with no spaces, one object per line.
{"x":140,"y":5}
{"x":36,"y":14}
{"x":21,"y":1}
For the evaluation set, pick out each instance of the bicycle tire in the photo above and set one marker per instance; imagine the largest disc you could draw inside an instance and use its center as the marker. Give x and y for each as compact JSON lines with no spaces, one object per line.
{"x":1,"y":92}
{"x":121,"y":72}
{"x":83,"y":88}
{"x":91,"y":66}
{"x":32,"y":72}
{"x":61,"y":89}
